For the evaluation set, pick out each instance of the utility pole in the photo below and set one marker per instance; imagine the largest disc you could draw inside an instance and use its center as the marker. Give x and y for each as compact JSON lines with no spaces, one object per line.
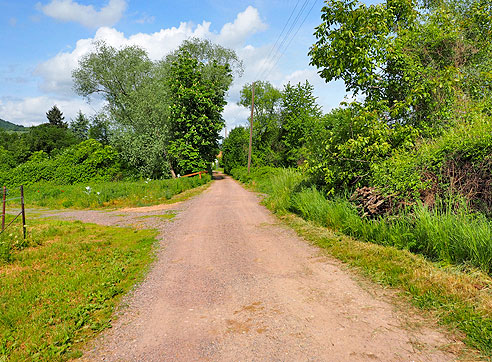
{"x":251,"y":126}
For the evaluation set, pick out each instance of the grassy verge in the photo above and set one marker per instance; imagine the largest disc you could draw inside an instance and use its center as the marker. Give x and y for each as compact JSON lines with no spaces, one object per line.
{"x":60,"y":287}
{"x":459,"y":295}
{"x":107,"y":194}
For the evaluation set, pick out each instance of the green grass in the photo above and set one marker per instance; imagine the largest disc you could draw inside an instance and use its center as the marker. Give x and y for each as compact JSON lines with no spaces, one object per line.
{"x":444,"y":279}
{"x":455,"y":237}
{"x":107,"y":194}
{"x":460,"y":300}
{"x":61,"y":286}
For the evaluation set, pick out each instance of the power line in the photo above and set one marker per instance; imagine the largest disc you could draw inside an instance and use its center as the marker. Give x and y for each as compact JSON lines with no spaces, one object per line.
{"x":291,"y":39}
{"x":276,"y":54}
{"x":283,"y":29}
{"x":275,"y":49}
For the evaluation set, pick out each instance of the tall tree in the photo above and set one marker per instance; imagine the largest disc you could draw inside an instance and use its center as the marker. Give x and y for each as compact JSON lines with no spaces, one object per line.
{"x":235,"y":149}
{"x":80,"y":126}
{"x":299,"y":112}
{"x":414,"y":62}
{"x":55,"y":117}
{"x":197,"y":103}
{"x":140,"y":97}
{"x":266,"y":121}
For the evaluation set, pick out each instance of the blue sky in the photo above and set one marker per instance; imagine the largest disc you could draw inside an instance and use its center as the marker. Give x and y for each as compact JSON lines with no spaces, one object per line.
{"x":41,"y":42}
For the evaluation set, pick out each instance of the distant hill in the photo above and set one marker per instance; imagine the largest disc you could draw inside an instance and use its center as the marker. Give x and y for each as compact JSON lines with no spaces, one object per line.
{"x":9,"y":126}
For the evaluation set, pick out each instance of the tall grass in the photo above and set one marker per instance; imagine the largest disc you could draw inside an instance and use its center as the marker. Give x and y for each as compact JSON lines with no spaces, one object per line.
{"x":442,"y":234}
{"x":457,"y":237}
{"x":107,"y":194}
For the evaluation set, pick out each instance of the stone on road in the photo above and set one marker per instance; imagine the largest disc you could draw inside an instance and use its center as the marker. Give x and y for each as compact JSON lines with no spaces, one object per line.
{"x":231,"y":284}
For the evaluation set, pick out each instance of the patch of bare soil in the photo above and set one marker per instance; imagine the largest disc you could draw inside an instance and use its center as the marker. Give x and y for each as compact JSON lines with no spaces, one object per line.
{"x":230,"y":284}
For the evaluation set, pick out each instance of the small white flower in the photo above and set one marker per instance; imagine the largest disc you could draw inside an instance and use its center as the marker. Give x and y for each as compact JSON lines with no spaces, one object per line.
{"x":98,"y":193}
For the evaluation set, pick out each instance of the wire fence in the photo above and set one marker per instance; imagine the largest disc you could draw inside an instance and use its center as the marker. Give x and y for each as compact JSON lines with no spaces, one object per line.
{"x":22,"y":212}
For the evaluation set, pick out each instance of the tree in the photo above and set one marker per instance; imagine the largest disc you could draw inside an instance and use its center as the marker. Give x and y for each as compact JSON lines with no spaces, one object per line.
{"x":235,"y":149}
{"x":55,"y":117}
{"x":299,"y":112}
{"x":99,"y":129}
{"x":195,"y":114}
{"x":80,"y":126}
{"x":49,"y":138}
{"x":266,"y":121}
{"x":414,"y":63}
{"x":140,"y":99}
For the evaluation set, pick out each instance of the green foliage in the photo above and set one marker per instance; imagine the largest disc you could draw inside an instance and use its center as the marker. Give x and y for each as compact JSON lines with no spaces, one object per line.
{"x":235,"y":149}
{"x":99,"y":130}
{"x":414,"y":65}
{"x":266,"y":121}
{"x":101,"y":194}
{"x":7,"y":160}
{"x":412,"y":173}
{"x":55,"y":117}
{"x":344,"y":144}
{"x":195,"y":114}
{"x":86,"y":161}
{"x":49,"y":138}
{"x":443,"y":234}
{"x":137,"y":103}
{"x":145,"y":118}
{"x":63,"y":289}
{"x":9,"y":126}
{"x":282,"y":121}
{"x":80,"y":126}
{"x":299,"y":113}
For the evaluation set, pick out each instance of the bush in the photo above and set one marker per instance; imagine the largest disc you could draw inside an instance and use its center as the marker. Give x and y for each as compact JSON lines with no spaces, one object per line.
{"x":458,"y":162}
{"x":87,"y":161}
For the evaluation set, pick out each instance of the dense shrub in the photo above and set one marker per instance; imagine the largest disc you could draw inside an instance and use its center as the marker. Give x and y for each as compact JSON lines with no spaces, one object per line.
{"x":86,"y":161}
{"x":458,"y":162}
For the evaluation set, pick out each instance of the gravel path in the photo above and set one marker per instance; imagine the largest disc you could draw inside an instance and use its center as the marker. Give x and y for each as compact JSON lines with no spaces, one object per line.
{"x":231,"y":284}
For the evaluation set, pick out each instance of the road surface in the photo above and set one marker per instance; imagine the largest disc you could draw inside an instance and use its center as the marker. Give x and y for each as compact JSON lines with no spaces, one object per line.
{"x":232,"y":284}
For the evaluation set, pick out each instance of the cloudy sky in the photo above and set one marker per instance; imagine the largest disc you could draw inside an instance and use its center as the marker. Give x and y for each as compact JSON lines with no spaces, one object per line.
{"x":42,"y":41}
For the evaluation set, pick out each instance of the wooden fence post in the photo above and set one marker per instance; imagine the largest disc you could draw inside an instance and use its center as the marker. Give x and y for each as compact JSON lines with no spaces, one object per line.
{"x":23,"y":211}
{"x":3,"y":208}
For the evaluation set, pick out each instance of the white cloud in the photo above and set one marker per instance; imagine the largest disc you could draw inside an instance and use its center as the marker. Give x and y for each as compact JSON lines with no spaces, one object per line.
{"x":246,"y":23}
{"x":235,"y":115}
{"x":56,"y":73}
{"x":68,"y":10}
{"x":31,"y":111}
{"x":145,"y":19}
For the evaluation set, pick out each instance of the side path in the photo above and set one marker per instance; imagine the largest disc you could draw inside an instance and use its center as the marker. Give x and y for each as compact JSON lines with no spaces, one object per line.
{"x":232,"y":285}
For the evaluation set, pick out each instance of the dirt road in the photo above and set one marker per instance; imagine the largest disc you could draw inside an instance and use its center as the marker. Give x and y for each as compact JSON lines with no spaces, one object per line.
{"x":230,"y":284}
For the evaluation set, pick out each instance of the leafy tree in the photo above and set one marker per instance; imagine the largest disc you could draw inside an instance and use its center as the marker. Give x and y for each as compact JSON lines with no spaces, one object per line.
{"x":55,"y":117}
{"x":80,"y":126}
{"x":413,"y":62}
{"x":16,"y":143}
{"x":266,"y":121}
{"x":7,"y":160}
{"x":99,"y":129}
{"x":138,"y":106}
{"x":235,"y":149}
{"x":195,"y":114}
{"x":298,"y":115}
{"x":140,"y":98}
{"x":49,"y":138}
{"x":210,"y":55}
